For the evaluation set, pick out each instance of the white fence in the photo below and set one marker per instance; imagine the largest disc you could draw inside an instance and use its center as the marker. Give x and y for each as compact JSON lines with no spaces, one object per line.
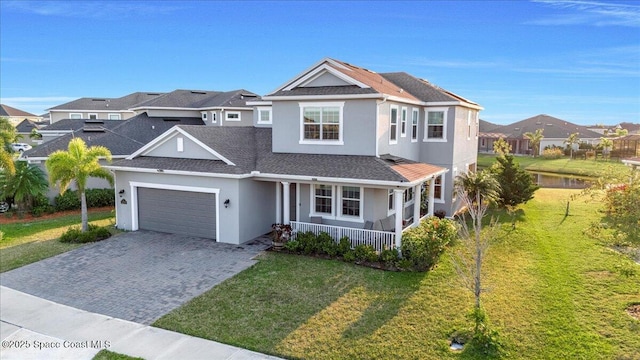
{"x":378,"y":239}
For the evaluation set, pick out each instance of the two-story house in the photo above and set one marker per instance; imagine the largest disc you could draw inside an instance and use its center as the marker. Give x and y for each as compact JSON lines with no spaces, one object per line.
{"x":100,"y":108}
{"x":338,"y":148}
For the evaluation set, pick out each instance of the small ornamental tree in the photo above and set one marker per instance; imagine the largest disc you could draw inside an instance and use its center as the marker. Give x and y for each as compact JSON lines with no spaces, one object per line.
{"x":516,"y":185}
{"x":534,"y":140}
{"x":571,"y":141}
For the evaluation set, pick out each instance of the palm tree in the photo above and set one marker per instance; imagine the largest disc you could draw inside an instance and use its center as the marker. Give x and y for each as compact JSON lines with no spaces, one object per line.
{"x":477,"y":190}
{"x":27,"y":182}
{"x":77,"y":165}
{"x":606,"y":144}
{"x":7,"y":136}
{"x":570,"y":141}
{"x":534,"y":140}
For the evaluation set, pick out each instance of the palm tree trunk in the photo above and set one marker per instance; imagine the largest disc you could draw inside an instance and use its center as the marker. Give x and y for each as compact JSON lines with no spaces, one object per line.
{"x":83,"y":211}
{"x":478,"y":228}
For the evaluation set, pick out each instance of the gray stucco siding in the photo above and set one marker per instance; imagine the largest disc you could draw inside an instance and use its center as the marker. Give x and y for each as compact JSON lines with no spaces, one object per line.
{"x":359,"y":130}
{"x":246,"y":118}
{"x":256,"y":208}
{"x":403,"y":146}
{"x":190,"y":150}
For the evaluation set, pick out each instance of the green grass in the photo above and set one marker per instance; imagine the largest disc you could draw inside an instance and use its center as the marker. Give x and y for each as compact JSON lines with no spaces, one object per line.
{"x":28,"y":242}
{"x":47,"y":229}
{"x":110,"y":355}
{"x":553,"y":293}
{"x":578,"y":167}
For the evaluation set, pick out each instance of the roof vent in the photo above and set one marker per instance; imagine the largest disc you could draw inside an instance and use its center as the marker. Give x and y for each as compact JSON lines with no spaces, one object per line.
{"x":199,"y":92}
{"x":171,"y":119}
{"x":94,"y":121}
{"x":249,"y":95}
{"x":93,"y":129}
{"x":98,"y":99}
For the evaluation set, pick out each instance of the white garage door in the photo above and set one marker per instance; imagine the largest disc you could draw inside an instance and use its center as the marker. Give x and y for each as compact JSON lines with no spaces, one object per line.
{"x":177,"y":212}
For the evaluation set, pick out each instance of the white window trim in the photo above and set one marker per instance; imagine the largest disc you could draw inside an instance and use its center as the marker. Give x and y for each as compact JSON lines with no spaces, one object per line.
{"x":214,"y":117}
{"x":336,"y":201}
{"x":477,"y":124}
{"x":390,"y":193}
{"x":96,"y":115}
{"x":226,"y":116}
{"x":445,"y":111}
{"x":454,"y":175}
{"x":391,"y":108}
{"x":403,"y":121}
{"x":268,"y":110}
{"x":118,"y":116}
{"x":204,"y":116}
{"x":440,"y":200}
{"x":415,"y":114}
{"x":72,"y":114}
{"x":413,"y":197}
{"x":339,"y":105}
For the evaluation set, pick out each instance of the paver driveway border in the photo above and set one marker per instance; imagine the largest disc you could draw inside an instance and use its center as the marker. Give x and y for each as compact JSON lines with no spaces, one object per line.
{"x":137,"y":276}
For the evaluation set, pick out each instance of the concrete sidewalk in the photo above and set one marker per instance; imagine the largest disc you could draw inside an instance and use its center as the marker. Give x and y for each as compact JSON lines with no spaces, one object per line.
{"x":35,"y":328}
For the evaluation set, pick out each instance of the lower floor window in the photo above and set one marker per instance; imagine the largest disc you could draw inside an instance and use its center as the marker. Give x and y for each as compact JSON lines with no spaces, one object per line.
{"x":323,"y":197}
{"x":351,"y":201}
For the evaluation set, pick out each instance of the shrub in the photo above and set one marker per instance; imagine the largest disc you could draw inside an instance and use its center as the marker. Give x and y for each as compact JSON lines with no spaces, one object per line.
{"x":100,"y":197}
{"x":326,"y":245}
{"x":70,"y":200}
{"x":552,"y":153}
{"x":307,"y":242}
{"x":292,"y":245}
{"x":423,"y":245}
{"x":349,"y":256}
{"x":390,"y":256}
{"x":76,"y":236}
{"x":40,"y":205}
{"x":364,"y":252}
{"x":344,"y":246}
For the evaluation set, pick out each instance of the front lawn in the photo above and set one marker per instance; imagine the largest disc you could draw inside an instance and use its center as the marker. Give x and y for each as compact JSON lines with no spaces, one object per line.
{"x":27,"y":242}
{"x":578,"y":167}
{"x":554,"y":293}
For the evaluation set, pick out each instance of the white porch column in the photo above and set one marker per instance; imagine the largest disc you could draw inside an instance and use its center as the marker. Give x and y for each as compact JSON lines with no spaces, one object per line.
{"x":278,"y":204}
{"x":432,"y":192}
{"x":286,"y":206}
{"x":398,"y":199}
{"x":417,"y":196}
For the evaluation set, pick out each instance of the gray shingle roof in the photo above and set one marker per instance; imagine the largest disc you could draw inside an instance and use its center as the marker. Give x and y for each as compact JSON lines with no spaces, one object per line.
{"x":75,"y":124}
{"x":554,"y":128}
{"x":120,"y":137}
{"x":26,"y":126}
{"x":201,"y":99}
{"x":115,"y":104}
{"x":249,"y":149}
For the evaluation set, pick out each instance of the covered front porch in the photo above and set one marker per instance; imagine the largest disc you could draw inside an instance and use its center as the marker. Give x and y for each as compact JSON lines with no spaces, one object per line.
{"x":366,"y":213}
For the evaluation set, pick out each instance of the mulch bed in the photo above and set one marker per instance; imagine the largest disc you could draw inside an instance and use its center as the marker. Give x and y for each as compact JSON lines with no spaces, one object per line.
{"x":27,"y":217}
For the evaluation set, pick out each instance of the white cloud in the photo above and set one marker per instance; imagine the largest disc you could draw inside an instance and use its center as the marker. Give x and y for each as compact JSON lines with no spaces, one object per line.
{"x":590,"y":13}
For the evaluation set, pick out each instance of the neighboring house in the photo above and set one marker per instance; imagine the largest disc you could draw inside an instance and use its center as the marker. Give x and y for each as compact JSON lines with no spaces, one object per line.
{"x":25,"y":128}
{"x":122,"y":138}
{"x":15,"y":116}
{"x":555,"y":132}
{"x":488,"y":136}
{"x":100,"y":108}
{"x":338,"y":148}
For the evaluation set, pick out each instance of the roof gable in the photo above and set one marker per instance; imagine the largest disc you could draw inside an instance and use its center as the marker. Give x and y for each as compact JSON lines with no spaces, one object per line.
{"x":177,"y":145}
{"x":6,"y":110}
{"x":553,"y":128}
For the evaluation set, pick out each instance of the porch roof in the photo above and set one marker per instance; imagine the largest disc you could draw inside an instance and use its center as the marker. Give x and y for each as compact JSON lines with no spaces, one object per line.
{"x":417,"y":171}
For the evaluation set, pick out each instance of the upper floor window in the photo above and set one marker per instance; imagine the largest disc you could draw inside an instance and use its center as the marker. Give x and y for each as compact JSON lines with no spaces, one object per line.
{"x":469,"y":115}
{"x":403,"y":122}
{"x":477,"y":124}
{"x":393,"y":125}
{"x":93,"y":116}
{"x":214,"y":118}
{"x":321,"y":123}
{"x":264,"y":115}
{"x":436,"y":125}
{"x":75,"y":116}
{"x":114,"y":116}
{"x":232,"y":116}
{"x":204,"y":116}
{"x":414,"y":125}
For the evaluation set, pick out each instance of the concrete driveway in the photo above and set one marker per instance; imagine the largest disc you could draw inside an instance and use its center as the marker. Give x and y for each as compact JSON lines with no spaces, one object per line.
{"x":137,"y":276}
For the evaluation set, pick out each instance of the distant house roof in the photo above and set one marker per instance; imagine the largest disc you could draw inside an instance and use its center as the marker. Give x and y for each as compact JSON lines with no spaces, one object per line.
{"x":122,"y":138}
{"x":26,"y":126}
{"x":631,"y":127}
{"x":553,"y":128}
{"x":250,"y":150}
{"x":8,"y":111}
{"x":116,"y":104}
{"x":486,"y":126}
{"x":362,"y":81}
{"x":200,"y":99}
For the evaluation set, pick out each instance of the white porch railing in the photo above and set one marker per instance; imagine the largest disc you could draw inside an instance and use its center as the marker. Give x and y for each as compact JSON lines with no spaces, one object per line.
{"x":378,"y":239}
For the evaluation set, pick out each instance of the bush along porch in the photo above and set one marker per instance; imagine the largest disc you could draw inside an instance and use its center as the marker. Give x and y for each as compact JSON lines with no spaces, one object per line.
{"x":420,"y":250}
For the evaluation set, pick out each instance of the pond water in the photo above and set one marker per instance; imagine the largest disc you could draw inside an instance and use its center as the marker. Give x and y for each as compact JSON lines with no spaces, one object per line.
{"x":548,"y":180}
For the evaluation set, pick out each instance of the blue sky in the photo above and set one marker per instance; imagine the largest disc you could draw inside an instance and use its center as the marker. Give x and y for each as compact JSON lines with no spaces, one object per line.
{"x":576,"y":60}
